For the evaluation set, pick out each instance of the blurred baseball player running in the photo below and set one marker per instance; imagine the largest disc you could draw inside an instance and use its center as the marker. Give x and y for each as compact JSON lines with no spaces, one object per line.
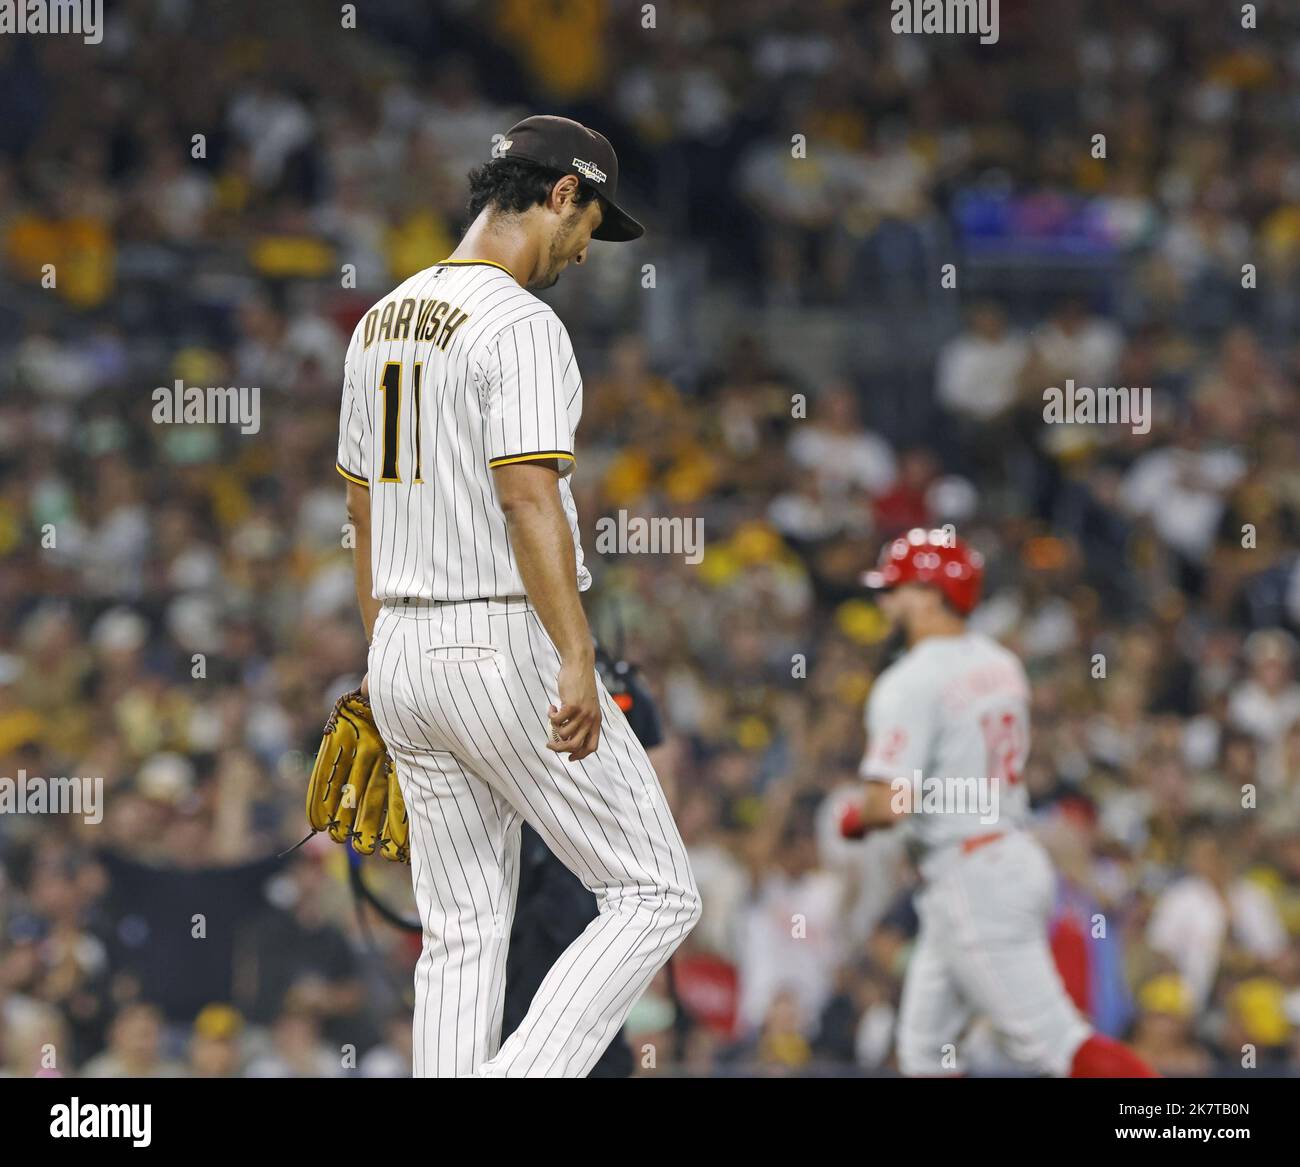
{"x":460,"y":402}
{"x":947,"y":740}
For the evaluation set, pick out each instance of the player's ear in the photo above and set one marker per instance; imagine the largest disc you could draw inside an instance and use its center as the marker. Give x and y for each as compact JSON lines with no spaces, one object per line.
{"x":563,"y":193}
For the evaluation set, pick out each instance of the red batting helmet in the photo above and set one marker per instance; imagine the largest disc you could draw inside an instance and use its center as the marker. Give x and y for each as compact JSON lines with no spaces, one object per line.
{"x":931,"y":557}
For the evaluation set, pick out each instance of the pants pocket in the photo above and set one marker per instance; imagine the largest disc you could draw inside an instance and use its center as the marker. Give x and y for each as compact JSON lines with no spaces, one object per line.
{"x":462,"y":654}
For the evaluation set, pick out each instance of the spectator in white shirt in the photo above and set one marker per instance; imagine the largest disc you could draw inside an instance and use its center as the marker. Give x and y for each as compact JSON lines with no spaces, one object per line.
{"x":1182,"y":490}
{"x":1073,"y":344}
{"x":791,"y":934}
{"x":1207,"y":908}
{"x":1267,"y":704}
{"x":979,"y":369}
{"x":832,"y":445}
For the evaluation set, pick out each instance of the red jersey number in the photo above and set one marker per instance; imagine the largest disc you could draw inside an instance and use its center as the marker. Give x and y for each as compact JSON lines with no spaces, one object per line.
{"x":1004,"y":741}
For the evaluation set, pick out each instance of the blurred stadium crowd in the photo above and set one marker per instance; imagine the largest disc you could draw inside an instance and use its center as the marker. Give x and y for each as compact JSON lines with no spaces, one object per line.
{"x":176,"y":605}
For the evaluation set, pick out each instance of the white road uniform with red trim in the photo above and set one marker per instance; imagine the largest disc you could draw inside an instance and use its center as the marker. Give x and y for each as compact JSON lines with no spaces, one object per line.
{"x":948,"y":727}
{"x":457,"y":371}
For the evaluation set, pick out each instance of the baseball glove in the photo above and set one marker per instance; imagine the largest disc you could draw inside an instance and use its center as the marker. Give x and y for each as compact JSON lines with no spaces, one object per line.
{"x":353,"y":792}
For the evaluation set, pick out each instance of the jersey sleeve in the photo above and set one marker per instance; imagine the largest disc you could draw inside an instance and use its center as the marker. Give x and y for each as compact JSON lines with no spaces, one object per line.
{"x":530,"y":380}
{"x":899,"y":731}
{"x":353,"y":460}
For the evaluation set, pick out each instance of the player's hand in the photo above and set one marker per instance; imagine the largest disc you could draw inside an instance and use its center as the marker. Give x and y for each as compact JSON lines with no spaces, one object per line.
{"x":575,"y":725}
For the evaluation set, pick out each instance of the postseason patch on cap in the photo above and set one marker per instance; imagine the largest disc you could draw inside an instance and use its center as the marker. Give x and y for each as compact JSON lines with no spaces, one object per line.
{"x":550,"y":141}
{"x":589,"y":170}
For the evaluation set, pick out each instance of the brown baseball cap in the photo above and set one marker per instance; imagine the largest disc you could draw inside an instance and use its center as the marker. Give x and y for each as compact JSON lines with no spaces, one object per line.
{"x":571,"y":148}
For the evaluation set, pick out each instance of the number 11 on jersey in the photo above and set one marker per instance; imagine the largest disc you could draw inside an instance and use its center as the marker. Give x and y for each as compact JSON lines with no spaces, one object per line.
{"x":391,"y":387}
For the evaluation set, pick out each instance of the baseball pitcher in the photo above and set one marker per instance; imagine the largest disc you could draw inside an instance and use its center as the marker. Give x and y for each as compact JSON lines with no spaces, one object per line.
{"x":947,"y":741}
{"x":461,"y":399}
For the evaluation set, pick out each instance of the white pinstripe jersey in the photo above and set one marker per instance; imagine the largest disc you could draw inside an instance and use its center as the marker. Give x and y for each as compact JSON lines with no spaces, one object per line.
{"x":455,"y":371}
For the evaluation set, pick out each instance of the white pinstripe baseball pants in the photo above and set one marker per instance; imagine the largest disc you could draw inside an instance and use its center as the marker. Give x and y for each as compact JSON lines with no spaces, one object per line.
{"x":460,"y":693}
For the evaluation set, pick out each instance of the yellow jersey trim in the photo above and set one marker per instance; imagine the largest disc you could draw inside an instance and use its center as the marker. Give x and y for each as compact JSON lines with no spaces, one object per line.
{"x":351,"y":477}
{"x":465,"y":262}
{"x":538,"y":456}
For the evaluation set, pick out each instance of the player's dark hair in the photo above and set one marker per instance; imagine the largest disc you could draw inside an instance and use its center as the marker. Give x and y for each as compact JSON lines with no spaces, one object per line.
{"x":512,"y":185}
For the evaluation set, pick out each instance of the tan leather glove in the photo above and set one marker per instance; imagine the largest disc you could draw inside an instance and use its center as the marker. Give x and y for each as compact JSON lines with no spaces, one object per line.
{"x":353,"y":791}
